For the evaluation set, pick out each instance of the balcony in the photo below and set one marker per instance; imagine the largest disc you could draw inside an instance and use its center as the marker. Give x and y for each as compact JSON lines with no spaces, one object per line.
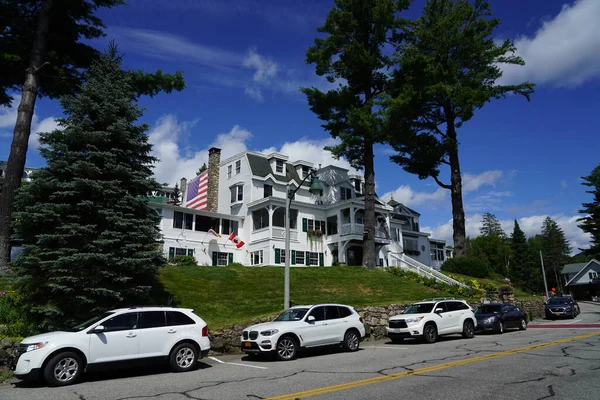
{"x":273,"y":233}
{"x":359,"y":229}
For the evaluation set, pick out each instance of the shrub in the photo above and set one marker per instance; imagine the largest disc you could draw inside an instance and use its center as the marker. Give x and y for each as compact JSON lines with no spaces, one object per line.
{"x":13,"y":321}
{"x":434,"y":284}
{"x":235,"y":264}
{"x":184,"y":261}
{"x":467,"y":266}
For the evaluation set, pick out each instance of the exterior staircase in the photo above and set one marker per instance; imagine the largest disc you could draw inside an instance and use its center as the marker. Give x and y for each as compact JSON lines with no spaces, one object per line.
{"x":410,"y":264}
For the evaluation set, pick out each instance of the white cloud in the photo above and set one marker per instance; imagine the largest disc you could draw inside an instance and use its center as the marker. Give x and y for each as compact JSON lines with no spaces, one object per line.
{"x":563,"y":184}
{"x":264,"y":68}
{"x":8,"y":117}
{"x":410,"y":198}
{"x":565,"y":50}
{"x":255,"y":93}
{"x":176,"y":161}
{"x":472,"y":182}
{"x":531,"y":225}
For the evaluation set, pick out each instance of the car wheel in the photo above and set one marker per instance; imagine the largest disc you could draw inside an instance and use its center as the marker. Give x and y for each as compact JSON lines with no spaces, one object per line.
{"x":286,"y":348}
{"x":430,"y":334}
{"x":501,"y":328}
{"x":523,"y":324}
{"x":573,"y":315}
{"x":468,"y":329}
{"x":63,"y":369}
{"x":351,"y":341}
{"x":183,"y":357}
{"x":397,"y":340}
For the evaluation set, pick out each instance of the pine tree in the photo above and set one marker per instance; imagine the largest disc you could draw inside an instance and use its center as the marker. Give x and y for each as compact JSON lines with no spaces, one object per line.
{"x":90,"y":238}
{"x":555,"y":249}
{"x":201,"y":169}
{"x":490,"y":226}
{"x":590,"y":223}
{"x":519,"y":255}
{"x":176,"y":195}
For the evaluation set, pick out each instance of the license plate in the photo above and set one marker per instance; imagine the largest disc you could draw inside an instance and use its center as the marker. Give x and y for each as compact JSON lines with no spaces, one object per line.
{"x":247,"y":344}
{"x":557,"y":313}
{"x":394,"y":330}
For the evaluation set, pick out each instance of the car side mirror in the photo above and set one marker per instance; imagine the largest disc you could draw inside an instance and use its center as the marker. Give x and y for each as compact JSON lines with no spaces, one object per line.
{"x":98,"y":329}
{"x":439,"y":310}
{"x":310,"y":319}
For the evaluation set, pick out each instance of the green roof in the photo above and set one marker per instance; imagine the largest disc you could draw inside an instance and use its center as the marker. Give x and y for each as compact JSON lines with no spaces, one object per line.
{"x":573,"y":268}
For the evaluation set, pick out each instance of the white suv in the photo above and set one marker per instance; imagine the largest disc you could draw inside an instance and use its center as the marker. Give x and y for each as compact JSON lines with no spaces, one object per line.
{"x":431,"y":318}
{"x":127,"y":335}
{"x":305,"y":326}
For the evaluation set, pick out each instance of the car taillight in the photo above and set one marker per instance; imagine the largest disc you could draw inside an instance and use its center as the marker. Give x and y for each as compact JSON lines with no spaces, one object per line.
{"x":205,"y":330}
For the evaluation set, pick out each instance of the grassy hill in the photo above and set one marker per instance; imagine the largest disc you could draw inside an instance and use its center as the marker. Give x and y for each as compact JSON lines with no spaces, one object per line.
{"x":229,"y":295}
{"x":497,"y":282}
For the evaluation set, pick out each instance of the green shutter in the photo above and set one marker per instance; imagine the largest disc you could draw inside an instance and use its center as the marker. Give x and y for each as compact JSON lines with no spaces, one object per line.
{"x":307,"y":258}
{"x":171,"y":252}
{"x":230,"y":258}
{"x":214,"y":256}
{"x":321,"y":260}
{"x":293,"y":259}
{"x":191,"y":252}
{"x":304,"y":225}
{"x":277,"y":256}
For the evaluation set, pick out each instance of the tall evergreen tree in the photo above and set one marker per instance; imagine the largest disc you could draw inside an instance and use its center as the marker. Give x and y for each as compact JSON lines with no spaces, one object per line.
{"x":201,"y":169}
{"x":43,"y":53}
{"x":490,"y":226}
{"x":520,"y":256}
{"x":353,"y":53}
{"x":90,"y":239}
{"x":448,"y":64}
{"x":590,"y":223}
{"x":555,"y":249}
{"x":176,"y":195}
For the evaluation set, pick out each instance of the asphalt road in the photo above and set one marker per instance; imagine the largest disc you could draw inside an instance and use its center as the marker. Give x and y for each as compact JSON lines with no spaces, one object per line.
{"x":543,"y":362}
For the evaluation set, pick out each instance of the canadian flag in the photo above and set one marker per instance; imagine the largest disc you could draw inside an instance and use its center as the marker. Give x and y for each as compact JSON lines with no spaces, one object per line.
{"x":235,"y":239}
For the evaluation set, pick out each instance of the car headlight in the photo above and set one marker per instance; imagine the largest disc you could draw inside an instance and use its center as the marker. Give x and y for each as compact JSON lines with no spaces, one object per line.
{"x":490,"y":319}
{"x":413,"y":320}
{"x":269,"y":332}
{"x":35,"y":346}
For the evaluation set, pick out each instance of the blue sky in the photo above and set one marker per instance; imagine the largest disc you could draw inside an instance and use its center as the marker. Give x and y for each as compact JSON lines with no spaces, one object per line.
{"x":244,"y":61}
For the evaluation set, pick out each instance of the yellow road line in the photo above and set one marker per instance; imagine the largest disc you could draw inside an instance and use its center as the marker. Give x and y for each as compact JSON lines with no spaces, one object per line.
{"x":383,"y":378}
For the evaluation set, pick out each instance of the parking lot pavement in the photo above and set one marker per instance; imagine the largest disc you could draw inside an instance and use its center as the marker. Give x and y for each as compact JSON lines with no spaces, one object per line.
{"x":531,"y":364}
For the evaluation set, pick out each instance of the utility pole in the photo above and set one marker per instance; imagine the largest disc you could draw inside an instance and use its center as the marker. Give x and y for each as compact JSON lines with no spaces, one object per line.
{"x":544,"y":274}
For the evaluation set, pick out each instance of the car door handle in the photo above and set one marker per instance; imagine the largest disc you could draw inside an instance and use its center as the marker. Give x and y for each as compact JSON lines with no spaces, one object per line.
{"x":131,"y":335}
{"x":171,"y":331}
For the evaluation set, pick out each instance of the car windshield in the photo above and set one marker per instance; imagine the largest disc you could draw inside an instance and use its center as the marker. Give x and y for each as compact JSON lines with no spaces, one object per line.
{"x":558,"y":301}
{"x":293,"y":314}
{"x":488,"y":310}
{"x":419,"y":309}
{"x":89,"y":322}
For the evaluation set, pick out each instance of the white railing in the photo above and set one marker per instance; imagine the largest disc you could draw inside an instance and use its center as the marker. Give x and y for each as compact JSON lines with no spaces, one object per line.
{"x":359,"y":229}
{"x":413,"y":265}
{"x":279,"y":233}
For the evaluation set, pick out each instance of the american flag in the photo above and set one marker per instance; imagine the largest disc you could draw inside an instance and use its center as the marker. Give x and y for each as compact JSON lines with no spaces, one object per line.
{"x":197,"y":192}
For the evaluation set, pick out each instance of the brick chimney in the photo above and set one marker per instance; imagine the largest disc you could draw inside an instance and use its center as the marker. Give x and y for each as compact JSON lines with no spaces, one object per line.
{"x":214,"y":162}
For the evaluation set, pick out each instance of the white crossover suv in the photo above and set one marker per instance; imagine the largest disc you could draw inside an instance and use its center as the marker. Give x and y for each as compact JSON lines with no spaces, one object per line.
{"x":134,"y":335}
{"x":432,"y":318}
{"x":305,"y":326}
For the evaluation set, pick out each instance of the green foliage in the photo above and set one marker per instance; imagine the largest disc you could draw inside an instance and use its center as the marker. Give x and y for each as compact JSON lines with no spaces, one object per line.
{"x":590,"y":222}
{"x":228,"y":294}
{"x":235,"y":265}
{"x":176,"y":195}
{"x":90,"y":239}
{"x":493,"y":250}
{"x":467,"y":266}
{"x":555,"y":250}
{"x":13,"y":318}
{"x":201,"y":169}
{"x":352,"y":55}
{"x":448,"y":65}
{"x":434,"y":284}
{"x":490,"y":226}
{"x":71,"y":23}
{"x":184,"y":261}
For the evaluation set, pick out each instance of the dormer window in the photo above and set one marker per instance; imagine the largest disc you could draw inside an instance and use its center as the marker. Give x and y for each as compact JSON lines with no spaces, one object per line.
{"x":279,"y":166}
{"x":305,"y":171}
{"x":345,"y":193}
{"x":357,"y":183}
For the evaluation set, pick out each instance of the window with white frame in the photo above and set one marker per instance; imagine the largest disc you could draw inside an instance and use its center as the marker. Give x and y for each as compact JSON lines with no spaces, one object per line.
{"x":300,"y":257}
{"x":237,"y":193}
{"x":282,"y":256}
{"x":345,"y":193}
{"x":305,"y":171}
{"x":229,"y":168}
{"x":592,"y":275}
{"x":267,"y":190}
{"x":279,"y":166}
{"x":256,"y":257}
{"x":315,"y":225}
{"x":314,"y":258}
{"x":238,"y":167}
{"x":437,"y":254}
{"x":410,"y":244}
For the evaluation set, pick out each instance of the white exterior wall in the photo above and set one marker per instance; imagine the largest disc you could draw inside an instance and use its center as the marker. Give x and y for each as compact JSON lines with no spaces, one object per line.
{"x":244,"y":177}
{"x":583,"y":277}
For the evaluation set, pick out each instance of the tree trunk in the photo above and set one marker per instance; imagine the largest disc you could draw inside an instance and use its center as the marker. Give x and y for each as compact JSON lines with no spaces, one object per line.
{"x":18,"y":149}
{"x":369,"y":233}
{"x":458,"y":212}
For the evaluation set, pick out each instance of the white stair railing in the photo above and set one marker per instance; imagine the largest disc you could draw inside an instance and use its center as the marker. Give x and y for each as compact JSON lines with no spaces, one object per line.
{"x":423,"y":270}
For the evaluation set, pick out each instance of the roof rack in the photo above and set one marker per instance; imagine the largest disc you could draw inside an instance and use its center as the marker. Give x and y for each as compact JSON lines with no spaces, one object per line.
{"x":439,"y":298}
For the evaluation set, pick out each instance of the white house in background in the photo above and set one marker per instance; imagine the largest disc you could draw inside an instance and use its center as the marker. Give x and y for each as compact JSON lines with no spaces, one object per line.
{"x":246,"y":194}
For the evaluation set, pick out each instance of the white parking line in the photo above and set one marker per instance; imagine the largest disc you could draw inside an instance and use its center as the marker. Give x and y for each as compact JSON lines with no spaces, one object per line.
{"x":387,"y":348}
{"x":241,"y":365}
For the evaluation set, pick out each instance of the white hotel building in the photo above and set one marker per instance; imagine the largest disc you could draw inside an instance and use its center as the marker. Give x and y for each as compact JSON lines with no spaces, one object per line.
{"x":246,"y":194}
